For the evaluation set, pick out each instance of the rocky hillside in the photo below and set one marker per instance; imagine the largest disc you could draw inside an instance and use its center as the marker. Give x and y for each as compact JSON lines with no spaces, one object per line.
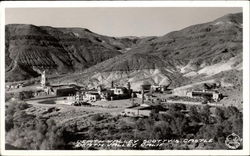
{"x":202,"y":44}
{"x":196,"y":52}
{"x":59,"y":50}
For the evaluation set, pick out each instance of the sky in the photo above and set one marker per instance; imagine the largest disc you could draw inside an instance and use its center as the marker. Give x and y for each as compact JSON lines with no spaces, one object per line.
{"x":118,"y":21}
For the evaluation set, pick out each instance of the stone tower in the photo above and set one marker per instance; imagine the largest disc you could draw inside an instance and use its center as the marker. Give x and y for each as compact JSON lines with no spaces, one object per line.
{"x":43,"y":79}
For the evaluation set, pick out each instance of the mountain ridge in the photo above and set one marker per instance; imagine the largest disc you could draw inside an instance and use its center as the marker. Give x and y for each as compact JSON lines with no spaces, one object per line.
{"x":176,"y":56}
{"x":63,"y":50}
{"x":186,"y":53}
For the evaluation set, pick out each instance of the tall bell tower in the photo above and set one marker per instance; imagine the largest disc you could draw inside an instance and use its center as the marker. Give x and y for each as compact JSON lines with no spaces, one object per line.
{"x":43,"y":79}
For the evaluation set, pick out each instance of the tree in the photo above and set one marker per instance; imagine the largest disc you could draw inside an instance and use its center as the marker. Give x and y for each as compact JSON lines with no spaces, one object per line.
{"x":8,"y":96}
{"x":231,"y":111}
{"x":237,"y":127}
{"x":97,"y":117}
{"x":24,"y":95}
{"x":205,"y":114}
{"x":8,"y":123}
{"x":194,"y":114}
{"x":13,"y":108}
{"x":177,"y":107}
{"x":220,"y":117}
{"x":178,"y":125}
{"x":162,"y":130}
{"x":31,"y":132}
{"x":140,"y":124}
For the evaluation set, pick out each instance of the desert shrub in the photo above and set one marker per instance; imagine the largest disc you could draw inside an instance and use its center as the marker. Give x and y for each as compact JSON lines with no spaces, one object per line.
{"x":198,"y":123}
{"x":177,"y":107}
{"x":140,"y":124}
{"x":205,"y":114}
{"x":22,"y":105}
{"x":8,"y":123}
{"x":162,"y":130}
{"x":179,"y":124}
{"x":27,"y":94}
{"x":154,"y":115}
{"x":165,"y":117}
{"x":124,"y":128}
{"x":8,"y":96}
{"x":97,"y":117}
{"x":149,"y":124}
{"x":29,"y":82}
{"x":18,"y":96}
{"x":12,"y":109}
{"x":220,"y":117}
{"x":224,"y":126}
{"x":31,"y":132}
{"x":23,"y":120}
{"x":231,"y":111}
{"x":93,"y":133}
{"x":24,"y":95}
{"x":194,"y":114}
{"x":237,"y":126}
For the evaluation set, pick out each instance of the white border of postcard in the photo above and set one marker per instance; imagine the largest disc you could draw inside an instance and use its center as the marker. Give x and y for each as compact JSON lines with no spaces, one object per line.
{"x":77,"y":4}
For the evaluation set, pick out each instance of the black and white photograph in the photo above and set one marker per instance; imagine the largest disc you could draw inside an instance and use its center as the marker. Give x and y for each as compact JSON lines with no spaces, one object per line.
{"x":123,"y":79}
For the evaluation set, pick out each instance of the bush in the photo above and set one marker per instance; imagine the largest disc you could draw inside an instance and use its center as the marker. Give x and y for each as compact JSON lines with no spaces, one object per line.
{"x":24,"y":95}
{"x":11,"y":109}
{"x":194,"y":115}
{"x":97,"y":117}
{"x":35,"y":134}
{"x":31,"y":132}
{"x":162,"y":130}
{"x":8,"y":96}
{"x":177,"y":107}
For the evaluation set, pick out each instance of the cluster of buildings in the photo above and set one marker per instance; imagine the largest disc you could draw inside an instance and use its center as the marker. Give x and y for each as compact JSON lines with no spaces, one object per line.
{"x":152,"y":99}
{"x":150,"y":94}
{"x":149,"y":101}
{"x":104,"y":94}
{"x":76,"y":94}
{"x":45,"y":89}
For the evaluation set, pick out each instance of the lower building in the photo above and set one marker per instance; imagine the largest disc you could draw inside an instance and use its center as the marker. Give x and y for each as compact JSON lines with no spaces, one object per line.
{"x":159,"y":88}
{"x":215,"y":95}
{"x":119,"y":90}
{"x":92,"y":96}
{"x":143,"y":110}
{"x":137,"y":111}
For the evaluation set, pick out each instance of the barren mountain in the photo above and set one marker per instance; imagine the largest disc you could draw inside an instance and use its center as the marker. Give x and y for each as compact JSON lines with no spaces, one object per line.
{"x":59,"y":50}
{"x":197,"y":52}
{"x":202,"y":44}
